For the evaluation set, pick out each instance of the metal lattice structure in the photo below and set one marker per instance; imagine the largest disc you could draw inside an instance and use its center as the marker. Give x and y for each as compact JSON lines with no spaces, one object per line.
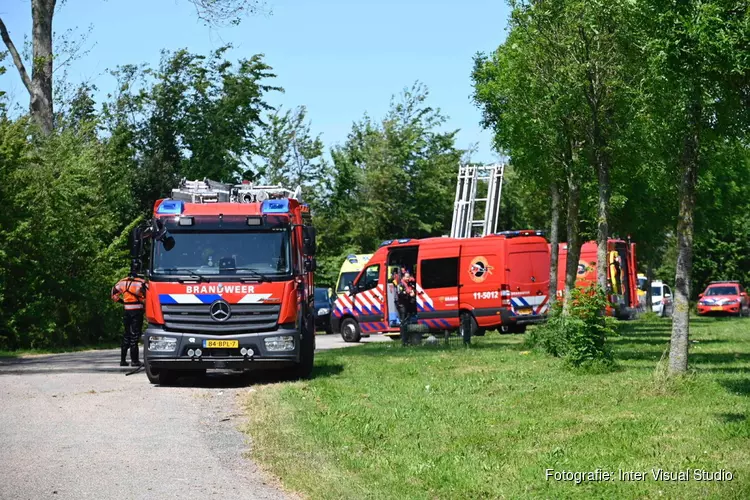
{"x":464,"y":224}
{"x":208,"y":191}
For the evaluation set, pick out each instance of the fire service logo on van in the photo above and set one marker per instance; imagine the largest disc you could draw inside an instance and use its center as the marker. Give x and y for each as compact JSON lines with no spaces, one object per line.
{"x":480,"y":269}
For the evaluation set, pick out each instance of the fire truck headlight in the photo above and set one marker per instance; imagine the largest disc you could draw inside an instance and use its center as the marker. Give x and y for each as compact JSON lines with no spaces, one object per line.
{"x":162,"y":344}
{"x":323,"y":311}
{"x":280,"y":343}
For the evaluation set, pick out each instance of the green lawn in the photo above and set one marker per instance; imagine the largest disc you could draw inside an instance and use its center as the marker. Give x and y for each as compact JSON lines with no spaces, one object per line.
{"x":382,"y":421}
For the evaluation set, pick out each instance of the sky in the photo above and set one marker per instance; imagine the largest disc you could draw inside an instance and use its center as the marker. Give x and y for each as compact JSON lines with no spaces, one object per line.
{"x":339,"y":58}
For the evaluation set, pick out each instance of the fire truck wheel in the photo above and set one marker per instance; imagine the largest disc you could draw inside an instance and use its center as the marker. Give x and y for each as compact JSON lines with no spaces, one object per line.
{"x":350,"y":331}
{"x":161,"y":377}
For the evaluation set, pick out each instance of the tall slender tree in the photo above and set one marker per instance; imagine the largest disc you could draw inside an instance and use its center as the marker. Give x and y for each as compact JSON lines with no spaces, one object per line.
{"x":698,"y":58}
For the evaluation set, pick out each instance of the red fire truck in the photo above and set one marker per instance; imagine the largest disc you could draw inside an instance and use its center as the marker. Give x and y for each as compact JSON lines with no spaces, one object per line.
{"x":622,"y":274}
{"x":231,"y":285}
{"x":470,"y":285}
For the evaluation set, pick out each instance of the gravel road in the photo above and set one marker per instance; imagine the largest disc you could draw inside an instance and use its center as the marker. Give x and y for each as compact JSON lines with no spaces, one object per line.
{"x":74,"y":426}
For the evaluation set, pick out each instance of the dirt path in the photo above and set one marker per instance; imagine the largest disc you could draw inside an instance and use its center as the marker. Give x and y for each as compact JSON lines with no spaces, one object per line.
{"x":74,"y":426}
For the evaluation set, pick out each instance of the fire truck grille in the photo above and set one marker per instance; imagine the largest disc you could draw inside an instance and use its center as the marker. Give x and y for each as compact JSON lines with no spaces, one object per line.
{"x":244,"y":318}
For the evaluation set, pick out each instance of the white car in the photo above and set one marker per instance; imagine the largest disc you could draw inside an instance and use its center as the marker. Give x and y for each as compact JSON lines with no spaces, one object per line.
{"x":661,"y":299}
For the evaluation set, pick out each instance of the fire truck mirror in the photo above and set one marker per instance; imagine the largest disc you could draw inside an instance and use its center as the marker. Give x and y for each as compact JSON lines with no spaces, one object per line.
{"x":167,"y":242}
{"x":309,"y":240}
{"x":311,"y":265}
{"x":160,"y":233}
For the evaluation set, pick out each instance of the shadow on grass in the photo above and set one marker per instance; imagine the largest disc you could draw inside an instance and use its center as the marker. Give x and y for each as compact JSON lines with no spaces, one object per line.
{"x":739,"y":387}
{"x":730,"y":418}
{"x":396,"y":349}
{"x":229,"y":380}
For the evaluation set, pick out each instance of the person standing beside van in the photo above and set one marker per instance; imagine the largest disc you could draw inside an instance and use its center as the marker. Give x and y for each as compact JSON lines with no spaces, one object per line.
{"x":407,"y":303}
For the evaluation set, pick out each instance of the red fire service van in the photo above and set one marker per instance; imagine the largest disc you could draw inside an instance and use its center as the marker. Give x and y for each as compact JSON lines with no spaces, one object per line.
{"x":233,"y":289}
{"x":496,"y":281}
{"x":622,"y":275}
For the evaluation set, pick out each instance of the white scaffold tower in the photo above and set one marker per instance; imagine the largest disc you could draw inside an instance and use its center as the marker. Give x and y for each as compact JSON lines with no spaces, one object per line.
{"x":208,"y":191}
{"x":469,"y":177}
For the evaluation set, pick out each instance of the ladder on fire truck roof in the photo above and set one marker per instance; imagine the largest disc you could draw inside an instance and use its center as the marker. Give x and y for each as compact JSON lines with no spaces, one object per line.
{"x":469,"y":178}
{"x":208,"y":191}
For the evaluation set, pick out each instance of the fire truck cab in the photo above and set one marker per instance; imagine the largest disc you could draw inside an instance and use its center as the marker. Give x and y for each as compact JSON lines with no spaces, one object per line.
{"x":496,"y":281}
{"x":234,"y":289}
{"x":622,"y":275}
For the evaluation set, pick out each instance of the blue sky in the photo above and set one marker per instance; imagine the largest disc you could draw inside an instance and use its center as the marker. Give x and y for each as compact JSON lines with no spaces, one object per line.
{"x":339,"y":58}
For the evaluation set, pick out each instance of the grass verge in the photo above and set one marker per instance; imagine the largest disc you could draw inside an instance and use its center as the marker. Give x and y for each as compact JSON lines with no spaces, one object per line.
{"x":56,"y":350}
{"x":382,"y":421}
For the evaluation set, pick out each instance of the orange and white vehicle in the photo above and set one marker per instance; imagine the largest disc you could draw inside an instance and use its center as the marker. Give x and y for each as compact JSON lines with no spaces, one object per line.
{"x":622,"y":275}
{"x":470,"y":284}
{"x":233,"y":289}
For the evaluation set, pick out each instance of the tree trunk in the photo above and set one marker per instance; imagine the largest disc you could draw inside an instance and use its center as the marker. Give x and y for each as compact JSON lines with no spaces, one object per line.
{"x":574,"y":240}
{"x":678,"y":348}
{"x":41,"y":68}
{"x":554,"y":239}
{"x":39,"y":85}
{"x":602,"y":234}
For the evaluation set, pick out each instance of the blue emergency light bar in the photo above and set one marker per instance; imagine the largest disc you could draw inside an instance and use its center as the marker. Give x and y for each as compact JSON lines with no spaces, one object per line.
{"x":510,"y":234}
{"x":390,"y":242}
{"x":173,"y":207}
{"x":275,"y":206}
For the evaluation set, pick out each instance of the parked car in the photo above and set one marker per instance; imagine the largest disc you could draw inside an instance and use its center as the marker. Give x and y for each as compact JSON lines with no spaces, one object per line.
{"x":662,"y":302}
{"x":323,"y":306}
{"x":724,"y":297}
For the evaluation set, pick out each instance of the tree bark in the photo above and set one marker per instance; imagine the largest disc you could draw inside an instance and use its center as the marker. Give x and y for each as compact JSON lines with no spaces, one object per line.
{"x":574,"y":240}
{"x":678,"y":347}
{"x":602,"y":234}
{"x":41,"y":68}
{"x":554,"y":237}
{"x":39,"y":85}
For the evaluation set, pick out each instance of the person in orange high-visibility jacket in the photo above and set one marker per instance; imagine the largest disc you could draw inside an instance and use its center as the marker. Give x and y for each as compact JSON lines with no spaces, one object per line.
{"x":131,"y":292}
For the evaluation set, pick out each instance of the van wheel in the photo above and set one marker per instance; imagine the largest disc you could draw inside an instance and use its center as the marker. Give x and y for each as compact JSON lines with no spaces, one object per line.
{"x":513,"y":329}
{"x":468,"y":327}
{"x":350,"y":331}
{"x":159,"y":376}
{"x":480,"y":332}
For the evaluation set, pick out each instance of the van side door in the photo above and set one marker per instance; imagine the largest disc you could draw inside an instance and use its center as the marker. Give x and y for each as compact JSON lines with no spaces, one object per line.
{"x":437,"y":287}
{"x":368,"y":299}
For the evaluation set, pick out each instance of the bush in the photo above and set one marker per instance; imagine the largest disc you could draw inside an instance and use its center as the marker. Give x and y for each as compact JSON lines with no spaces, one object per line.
{"x":61,"y":240}
{"x":580,"y":336}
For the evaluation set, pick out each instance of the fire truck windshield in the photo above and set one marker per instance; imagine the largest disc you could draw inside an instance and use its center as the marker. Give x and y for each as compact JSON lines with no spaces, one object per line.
{"x":225,"y":254}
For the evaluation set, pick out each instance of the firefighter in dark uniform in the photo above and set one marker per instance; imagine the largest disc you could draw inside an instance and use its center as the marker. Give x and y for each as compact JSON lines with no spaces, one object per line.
{"x":131,"y":292}
{"x":407,"y":302}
